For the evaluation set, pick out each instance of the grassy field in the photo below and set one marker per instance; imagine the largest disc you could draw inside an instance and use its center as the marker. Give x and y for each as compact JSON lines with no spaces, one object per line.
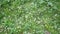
{"x":29,"y":16}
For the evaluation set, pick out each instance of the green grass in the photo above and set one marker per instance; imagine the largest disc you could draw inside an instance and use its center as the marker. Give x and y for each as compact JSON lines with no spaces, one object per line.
{"x":29,"y":16}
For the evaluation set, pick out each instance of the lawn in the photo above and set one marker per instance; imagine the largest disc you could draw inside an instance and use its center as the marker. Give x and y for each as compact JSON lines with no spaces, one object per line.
{"x":29,"y":16}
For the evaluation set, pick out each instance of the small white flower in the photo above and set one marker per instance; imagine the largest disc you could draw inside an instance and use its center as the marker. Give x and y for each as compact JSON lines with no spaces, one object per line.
{"x":4,"y":17}
{"x":19,"y":7}
{"x":24,"y":32}
{"x":41,"y":1}
{"x":26,"y":16}
{"x":55,"y":14}
{"x":35,"y":19}
{"x":38,"y":22}
{"x":50,"y":3}
{"x":30,"y":13}
{"x":9,"y":16}
{"x":18,"y":26}
{"x":28,"y":33}
{"x":58,"y":28}
{"x":32,"y":3}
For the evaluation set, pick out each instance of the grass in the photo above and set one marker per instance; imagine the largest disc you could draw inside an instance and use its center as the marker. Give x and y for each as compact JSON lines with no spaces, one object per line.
{"x":29,"y":16}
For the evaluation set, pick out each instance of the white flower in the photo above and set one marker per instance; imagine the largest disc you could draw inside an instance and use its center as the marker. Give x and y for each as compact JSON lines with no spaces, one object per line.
{"x":26,"y":16}
{"x":50,"y":3}
{"x":19,"y":7}
{"x":55,"y":14}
